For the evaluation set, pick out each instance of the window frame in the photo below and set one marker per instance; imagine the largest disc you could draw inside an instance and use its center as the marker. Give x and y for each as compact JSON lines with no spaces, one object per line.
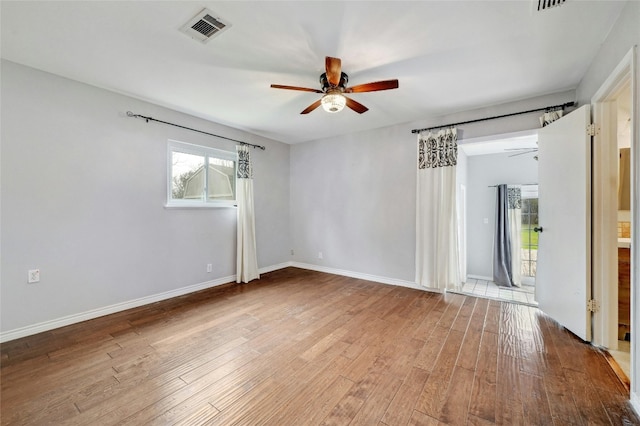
{"x":206,"y":152}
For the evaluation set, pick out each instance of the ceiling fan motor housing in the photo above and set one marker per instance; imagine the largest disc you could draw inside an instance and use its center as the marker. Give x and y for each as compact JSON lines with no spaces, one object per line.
{"x":344,"y":79}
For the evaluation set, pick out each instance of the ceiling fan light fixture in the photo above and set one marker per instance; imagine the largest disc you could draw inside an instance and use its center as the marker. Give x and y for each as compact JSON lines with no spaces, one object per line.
{"x":333,"y":102}
{"x":333,"y":83}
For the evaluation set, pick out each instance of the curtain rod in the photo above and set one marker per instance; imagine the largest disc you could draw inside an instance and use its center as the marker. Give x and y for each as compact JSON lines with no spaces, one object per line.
{"x":147,"y":119}
{"x":568,"y":104}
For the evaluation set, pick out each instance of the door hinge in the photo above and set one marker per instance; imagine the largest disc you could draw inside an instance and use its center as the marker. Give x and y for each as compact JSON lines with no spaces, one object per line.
{"x":592,"y":305}
{"x":592,"y":130}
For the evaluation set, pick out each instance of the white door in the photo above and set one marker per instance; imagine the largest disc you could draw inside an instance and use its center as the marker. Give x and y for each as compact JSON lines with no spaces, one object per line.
{"x":563,"y":279}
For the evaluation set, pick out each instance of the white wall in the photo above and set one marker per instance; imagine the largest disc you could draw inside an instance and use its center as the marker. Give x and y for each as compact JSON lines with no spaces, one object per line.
{"x":353,"y":197}
{"x":624,"y":35}
{"x":484,"y":171}
{"x":83,"y":194}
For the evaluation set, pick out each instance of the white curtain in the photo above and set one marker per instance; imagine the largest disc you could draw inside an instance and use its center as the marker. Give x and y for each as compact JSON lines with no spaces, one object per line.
{"x":437,"y":230}
{"x":515,"y":228}
{"x":246,"y":262}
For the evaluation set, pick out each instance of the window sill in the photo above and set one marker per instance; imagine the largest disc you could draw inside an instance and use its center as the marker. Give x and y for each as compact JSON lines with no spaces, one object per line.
{"x":201,"y":206}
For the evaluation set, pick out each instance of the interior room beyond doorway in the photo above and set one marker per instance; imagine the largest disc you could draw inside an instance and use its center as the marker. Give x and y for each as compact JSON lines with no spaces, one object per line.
{"x":509,"y":159}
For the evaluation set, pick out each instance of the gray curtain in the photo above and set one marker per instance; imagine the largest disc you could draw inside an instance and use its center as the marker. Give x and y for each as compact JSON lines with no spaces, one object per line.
{"x":502,"y":262}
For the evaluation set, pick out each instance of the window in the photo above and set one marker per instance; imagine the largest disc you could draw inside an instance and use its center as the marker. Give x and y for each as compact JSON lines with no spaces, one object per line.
{"x":199,"y":176}
{"x":529,"y":236}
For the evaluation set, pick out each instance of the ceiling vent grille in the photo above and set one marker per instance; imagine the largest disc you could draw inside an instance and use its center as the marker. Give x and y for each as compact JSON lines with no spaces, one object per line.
{"x":548,"y":4}
{"x":204,"y":26}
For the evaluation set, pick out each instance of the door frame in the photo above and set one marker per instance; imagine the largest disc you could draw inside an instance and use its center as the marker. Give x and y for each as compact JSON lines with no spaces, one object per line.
{"x":604,"y":217}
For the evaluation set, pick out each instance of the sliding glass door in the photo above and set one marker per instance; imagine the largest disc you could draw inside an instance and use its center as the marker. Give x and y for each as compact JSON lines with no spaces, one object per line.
{"x":529,"y":236}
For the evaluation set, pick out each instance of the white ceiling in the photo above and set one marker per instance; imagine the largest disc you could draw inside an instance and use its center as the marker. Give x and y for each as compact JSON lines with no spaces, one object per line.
{"x":449,"y":56}
{"x":516,"y":143}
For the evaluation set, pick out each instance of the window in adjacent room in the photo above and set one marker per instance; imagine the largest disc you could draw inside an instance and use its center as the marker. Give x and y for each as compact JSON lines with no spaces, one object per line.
{"x":529,"y":236}
{"x":199,"y":176}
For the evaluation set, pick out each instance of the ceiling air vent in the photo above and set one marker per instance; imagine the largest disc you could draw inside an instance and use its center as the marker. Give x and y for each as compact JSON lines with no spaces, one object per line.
{"x":204,"y":26}
{"x":548,"y":4}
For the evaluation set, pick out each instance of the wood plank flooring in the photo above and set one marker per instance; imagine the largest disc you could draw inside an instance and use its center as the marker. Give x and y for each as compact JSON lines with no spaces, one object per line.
{"x":305,"y":348}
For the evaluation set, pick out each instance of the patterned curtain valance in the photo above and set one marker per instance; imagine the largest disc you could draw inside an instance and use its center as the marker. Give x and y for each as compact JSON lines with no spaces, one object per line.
{"x":550,"y":116}
{"x":438,"y":150}
{"x":245,"y":171}
{"x":514,"y":194}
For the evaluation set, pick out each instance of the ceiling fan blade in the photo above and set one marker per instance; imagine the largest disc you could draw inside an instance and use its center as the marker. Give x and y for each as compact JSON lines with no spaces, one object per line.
{"x":523,"y":153}
{"x":333,"y":67}
{"x":311,"y":107}
{"x":521,"y":149}
{"x":302,"y":89}
{"x":356,"y":106}
{"x":373,"y":87}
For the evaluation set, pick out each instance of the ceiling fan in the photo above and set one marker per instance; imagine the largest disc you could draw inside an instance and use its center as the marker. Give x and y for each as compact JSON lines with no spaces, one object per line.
{"x":334,"y":83}
{"x":523,"y":151}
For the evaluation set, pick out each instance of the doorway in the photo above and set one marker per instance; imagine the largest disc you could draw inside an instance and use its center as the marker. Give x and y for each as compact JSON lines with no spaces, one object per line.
{"x":486,"y":162}
{"x":614,"y":325}
{"x":620,"y":114}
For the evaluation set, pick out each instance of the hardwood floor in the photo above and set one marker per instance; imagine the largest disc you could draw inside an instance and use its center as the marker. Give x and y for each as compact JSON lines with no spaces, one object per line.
{"x":303,"y":348}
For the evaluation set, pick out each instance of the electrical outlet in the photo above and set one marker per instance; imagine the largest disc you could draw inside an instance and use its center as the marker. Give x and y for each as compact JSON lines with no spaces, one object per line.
{"x":33,"y":276}
{"x":209,"y":267}
{"x":320,"y":255}
{"x":291,"y":252}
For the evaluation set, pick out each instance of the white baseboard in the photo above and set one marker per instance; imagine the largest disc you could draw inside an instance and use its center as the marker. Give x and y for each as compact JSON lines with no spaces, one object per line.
{"x":273,"y":268}
{"x":359,"y":275}
{"x":118,"y":307}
